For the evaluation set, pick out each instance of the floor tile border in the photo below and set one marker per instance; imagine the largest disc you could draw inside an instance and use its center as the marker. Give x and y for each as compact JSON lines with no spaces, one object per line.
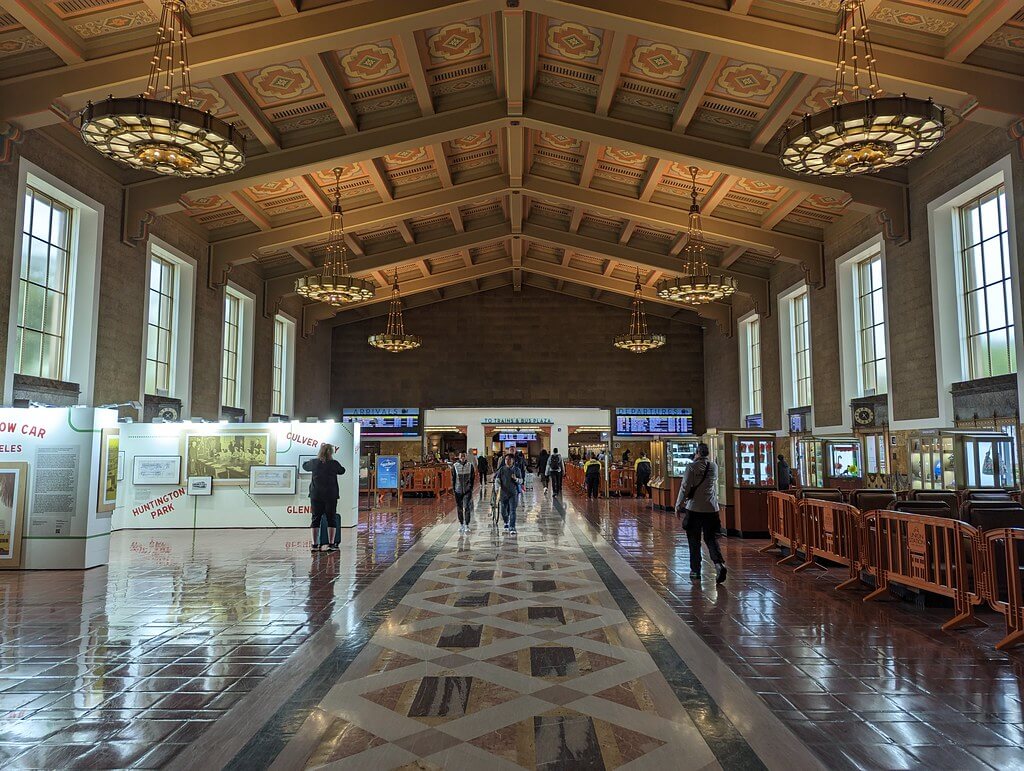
{"x":761,"y":730}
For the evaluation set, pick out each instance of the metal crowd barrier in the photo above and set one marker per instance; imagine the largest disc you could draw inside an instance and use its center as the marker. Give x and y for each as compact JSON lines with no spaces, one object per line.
{"x":1003,"y":549}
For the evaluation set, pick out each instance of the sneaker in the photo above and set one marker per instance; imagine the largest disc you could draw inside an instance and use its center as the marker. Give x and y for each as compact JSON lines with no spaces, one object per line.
{"x":333,"y":547}
{"x":512,"y":532}
{"x":695,"y":576}
{"x":315,"y":549}
{"x":722,"y":573}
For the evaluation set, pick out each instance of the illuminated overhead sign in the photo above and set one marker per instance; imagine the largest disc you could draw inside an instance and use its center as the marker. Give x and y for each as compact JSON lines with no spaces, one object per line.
{"x":384,"y":421}
{"x":662,"y":421}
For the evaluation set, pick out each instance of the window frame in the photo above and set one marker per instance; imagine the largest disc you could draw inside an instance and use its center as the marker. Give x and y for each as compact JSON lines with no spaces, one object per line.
{"x":751,"y":385}
{"x":244,"y":355}
{"x":803,"y":382}
{"x":865,"y":329}
{"x":168,"y":292}
{"x":286,"y":404}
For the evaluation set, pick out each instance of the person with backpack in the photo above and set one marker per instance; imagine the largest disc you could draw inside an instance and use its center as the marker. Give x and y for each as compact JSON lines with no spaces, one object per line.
{"x":643,"y":475}
{"x":542,"y":469}
{"x":463,"y":477}
{"x":323,"y":496}
{"x":698,"y":503}
{"x":509,"y":484}
{"x":555,"y":470}
{"x":592,"y":474}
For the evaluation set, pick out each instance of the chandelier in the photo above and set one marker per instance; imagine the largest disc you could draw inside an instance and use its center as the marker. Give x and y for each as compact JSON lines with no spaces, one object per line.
{"x":394,"y":339}
{"x":862,"y":131}
{"x":160,"y":130}
{"x":698,"y":285}
{"x":639,"y":339}
{"x":332,"y":284}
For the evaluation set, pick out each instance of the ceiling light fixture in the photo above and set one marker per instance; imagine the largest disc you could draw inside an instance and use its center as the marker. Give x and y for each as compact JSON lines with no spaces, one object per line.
{"x":332,"y":284}
{"x":862,"y":131}
{"x":698,"y":285}
{"x":394,"y":339}
{"x":161,"y":131}
{"x":639,"y":339}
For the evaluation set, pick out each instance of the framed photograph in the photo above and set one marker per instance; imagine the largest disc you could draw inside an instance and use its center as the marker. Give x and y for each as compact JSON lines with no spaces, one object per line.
{"x":302,"y":460}
{"x":273,"y":480}
{"x":199,"y":486}
{"x":110,"y":450}
{"x":120,"y":465}
{"x":13,"y":481}
{"x":156,"y":470}
{"x":228,"y":454}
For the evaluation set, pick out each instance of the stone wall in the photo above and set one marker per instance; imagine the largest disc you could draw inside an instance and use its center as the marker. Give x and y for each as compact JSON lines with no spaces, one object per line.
{"x":120,"y":322}
{"x":967,"y":151}
{"x":532,"y":348}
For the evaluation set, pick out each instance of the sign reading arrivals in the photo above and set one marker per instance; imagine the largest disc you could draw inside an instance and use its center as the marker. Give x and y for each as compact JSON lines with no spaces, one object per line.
{"x":384,"y":421}
{"x":662,"y":421}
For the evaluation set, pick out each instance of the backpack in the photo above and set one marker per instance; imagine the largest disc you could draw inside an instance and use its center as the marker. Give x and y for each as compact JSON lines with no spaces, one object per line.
{"x":555,"y":463}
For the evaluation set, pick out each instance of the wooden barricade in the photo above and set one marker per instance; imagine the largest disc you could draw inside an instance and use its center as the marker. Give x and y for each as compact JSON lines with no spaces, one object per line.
{"x":424,"y":479}
{"x":1002,"y":563}
{"x":783,"y":524}
{"x":835,"y":532}
{"x":622,"y":481}
{"x":931,"y":554}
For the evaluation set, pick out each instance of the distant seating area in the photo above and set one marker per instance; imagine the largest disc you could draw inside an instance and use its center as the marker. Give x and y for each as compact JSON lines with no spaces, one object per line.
{"x":972,"y":553}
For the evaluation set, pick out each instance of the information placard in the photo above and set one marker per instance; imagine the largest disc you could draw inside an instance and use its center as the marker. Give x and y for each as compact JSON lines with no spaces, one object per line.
{"x":388,"y":472}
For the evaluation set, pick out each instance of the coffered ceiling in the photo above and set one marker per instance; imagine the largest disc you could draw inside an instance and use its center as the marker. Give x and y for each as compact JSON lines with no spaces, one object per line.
{"x":540,"y":142}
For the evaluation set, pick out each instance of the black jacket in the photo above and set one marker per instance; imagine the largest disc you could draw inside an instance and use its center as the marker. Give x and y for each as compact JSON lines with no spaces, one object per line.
{"x":324,"y":485}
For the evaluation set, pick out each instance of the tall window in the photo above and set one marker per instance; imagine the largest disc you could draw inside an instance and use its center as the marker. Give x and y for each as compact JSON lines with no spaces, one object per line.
{"x":230,"y":386}
{"x":985,"y":276}
{"x":280,"y":405}
{"x":43,"y":298}
{"x":160,"y":329}
{"x":874,"y":378}
{"x":754,"y":366}
{"x":799,"y":313}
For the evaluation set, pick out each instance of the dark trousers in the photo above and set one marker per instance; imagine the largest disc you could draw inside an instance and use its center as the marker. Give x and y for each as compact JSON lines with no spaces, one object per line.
{"x":707,"y":525}
{"x":593,"y":483}
{"x":464,"y":504}
{"x":556,"y":482}
{"x":643,"y":485}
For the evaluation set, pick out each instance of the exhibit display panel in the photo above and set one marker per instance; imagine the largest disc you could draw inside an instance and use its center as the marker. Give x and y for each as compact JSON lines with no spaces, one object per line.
{"x":211,"y":475}
{"x":958,"y":459}
{"x":830,"y":461}
{"x":60,"y":470}
{"x":746,"y":468}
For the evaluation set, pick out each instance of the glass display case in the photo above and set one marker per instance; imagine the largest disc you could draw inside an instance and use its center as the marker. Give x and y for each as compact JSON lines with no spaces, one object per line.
{"x":679,"y":456}
{"x":754,"y":461}
{"x":808,"y":462}
{"x":844,"y":461}
{"x":670,"y":458}
{"x":746,"y":463}
{"x":959,"y":459}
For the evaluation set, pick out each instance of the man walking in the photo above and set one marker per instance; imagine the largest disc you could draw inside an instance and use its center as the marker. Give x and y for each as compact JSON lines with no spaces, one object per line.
{"x":463,"y":476}
{"x":555,"y":470}
{"x":509,"y":482}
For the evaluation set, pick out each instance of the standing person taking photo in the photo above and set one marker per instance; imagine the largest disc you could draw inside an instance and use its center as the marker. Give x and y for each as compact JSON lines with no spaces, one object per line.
{"x":463,"y":476}
{"x":323,"y":496}
{"x":698,"y":502}
{"x":555,"y":470}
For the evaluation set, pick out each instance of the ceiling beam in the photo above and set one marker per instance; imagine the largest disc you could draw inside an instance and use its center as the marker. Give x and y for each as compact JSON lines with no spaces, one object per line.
{"x":323,"y":72}
{"x":417,"y":75}
{"x":249,"y":210}
{"x":732,"y":254}
{"x":162,"y":195}
{"x":378,"y":175}
{"x":286,"y":7}
{"x":589,"y":162}
{"x":513,"y":26}
{"x":444,"y":173}
{"x":610,"y":299}
{"x":783,"y":209}
{"x":30,"y":15}
{"x":232,"y":250}
{"x":405,"y":232}
{"x":652,"y":176}
{"x":999,"y":95}
{"x":254,"y":119}
{"x":717,"y":193}
{"x":301,"y":256}
{"x":781,"y":111}
{"x":30,"y":99}
{"x":516,"y":155}
{"x":313,"y":193}
{"x":517,"y":263}
{"x":696,"y":87}
{"x":610,"y":76}
{"x":975,"y":32}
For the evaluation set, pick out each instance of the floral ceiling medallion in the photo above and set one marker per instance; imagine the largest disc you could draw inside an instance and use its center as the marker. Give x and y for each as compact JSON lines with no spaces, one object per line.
{"x":574,"y":41}
{"x":454,"y":42}
{"x":370,"y":61}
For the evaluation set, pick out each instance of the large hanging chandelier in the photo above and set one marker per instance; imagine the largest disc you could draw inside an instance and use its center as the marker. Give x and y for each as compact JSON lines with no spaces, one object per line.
{"x":697,"y":285}
{"x":160,"y":131}
{"x":639,"y":339}
{"x":394,"y":339}
{"x":332,"y":284}
{"x":862,"y":131}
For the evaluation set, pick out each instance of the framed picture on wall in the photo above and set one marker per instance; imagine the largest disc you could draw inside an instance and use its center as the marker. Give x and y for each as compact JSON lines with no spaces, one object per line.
{"x":302,"y":461}
{"x":13,"y":481}
{"x":156,"y":470}
{"x":273,"y":480}
{"x":227,"y":455}
{"x":199,"y":486}
{"x":110,"y":450}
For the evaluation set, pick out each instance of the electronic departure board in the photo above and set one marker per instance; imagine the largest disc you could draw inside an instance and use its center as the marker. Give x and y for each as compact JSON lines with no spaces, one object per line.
{"x":517,"y":436}
{"x":662,"y":421}
{"x":384,"y":421}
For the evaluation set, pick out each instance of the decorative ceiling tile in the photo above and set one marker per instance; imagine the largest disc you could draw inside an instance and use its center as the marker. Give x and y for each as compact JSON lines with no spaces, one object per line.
{"x":325,"y":178}
{"x":680,"y":171}
{"x":559,"y":141}
{"x":659,"y":61}
{"x":1008,"y":38}
{"x":371,"y":61}
{"x":922,"y":22}
{"x":724,"y":120}
{"x":274,"y":189}
{"x":454,"y":42}
{"x":747,"y":81}
{"x":106,"y":25}
{"x":12,"y":45}
{"x":625,"y":157}
{"x":206,"y":204}
{"x":198,"y":6}
{"x":406,"y":157}
{"x":818,"y":99}
{"x":206,"y":98}
{"x":277,"y":83}
{"x":824,"y":202}
{"x":759,"y":188}
{"x":472,"y":142}
{"x":573,"y":41}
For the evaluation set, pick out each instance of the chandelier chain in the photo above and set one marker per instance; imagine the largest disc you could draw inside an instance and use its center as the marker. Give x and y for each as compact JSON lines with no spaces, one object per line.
{"x":170,"y":77}
{"x":856,"y":70}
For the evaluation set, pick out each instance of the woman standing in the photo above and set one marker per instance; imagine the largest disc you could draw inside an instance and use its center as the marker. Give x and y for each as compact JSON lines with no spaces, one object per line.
{"x":323,"y":496}
{"x":698,"y":499}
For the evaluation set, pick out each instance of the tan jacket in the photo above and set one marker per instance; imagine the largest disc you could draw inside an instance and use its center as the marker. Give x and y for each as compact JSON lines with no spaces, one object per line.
{"x":705,"y":497}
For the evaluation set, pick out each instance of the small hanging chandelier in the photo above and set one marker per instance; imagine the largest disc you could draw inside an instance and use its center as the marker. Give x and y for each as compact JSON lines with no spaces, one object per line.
{"x":160,"y":131}
{"x":862,"y":132}
{"x":332,"y":284}
{"x":639,"y":339}
{"x":698,"y":285}
{"x":394,"y":339}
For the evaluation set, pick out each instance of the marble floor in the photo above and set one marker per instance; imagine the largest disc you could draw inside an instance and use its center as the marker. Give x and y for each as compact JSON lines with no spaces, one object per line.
{"x":580,"y":643}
